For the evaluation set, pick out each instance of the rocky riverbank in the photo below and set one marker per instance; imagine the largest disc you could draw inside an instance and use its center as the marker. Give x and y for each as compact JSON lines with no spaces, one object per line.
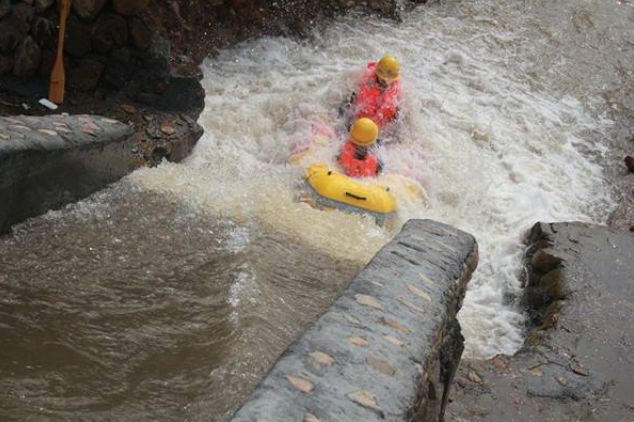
{"x":578,"y":361}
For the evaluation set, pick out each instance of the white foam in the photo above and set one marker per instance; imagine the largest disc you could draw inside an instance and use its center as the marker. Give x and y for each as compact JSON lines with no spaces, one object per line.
{"x":494,"y":153}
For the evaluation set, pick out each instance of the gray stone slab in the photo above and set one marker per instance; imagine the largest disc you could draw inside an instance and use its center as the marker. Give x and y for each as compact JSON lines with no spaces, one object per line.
{"x":388,"y":347}
{"x":46,"y":162}
{"x":577,"y":363}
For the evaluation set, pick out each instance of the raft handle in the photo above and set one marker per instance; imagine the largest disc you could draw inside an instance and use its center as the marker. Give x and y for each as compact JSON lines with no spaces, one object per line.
{"x":352,"y":195}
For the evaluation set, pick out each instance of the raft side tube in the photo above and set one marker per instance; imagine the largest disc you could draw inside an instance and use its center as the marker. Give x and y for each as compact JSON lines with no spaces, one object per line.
{"x":330,"y":189}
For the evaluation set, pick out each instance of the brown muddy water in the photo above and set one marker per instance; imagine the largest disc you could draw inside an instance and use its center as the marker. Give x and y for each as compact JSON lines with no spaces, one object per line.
{"x":145,"y":311}
{"x":169,"y":295}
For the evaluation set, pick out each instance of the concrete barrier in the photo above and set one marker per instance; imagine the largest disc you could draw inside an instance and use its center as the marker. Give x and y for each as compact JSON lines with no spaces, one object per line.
{"x":389,"y":346}
{"x":46,"y":162}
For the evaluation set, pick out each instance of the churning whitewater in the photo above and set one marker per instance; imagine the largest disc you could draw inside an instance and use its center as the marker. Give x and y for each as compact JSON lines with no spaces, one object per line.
{"x":494,"y":151}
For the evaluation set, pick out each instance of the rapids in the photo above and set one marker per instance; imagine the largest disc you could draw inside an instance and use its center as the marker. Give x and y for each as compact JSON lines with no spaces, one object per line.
{"x":168,"y":295}
{"x":494,"y":152}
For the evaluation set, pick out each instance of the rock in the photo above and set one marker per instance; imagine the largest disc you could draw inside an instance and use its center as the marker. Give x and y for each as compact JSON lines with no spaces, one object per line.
{"x":301,"y":384}
{"x":418,"y":292}
{"x":130,"y":7}
{"x":365,"y":399}
{"x":46,"y":63}
{"x":394,"y":341}
{"x":183,"y":95}
{"x":322,"y":358}
{"x":5,"y":7}
{"x":22,"y":16}
{"x":629,"y":162}
{"x":368,"y":301}
{"x":167,"y":129}
{"x":393,"y":324}
{"x":27,"y":58}
{"x":42,"y":5}
{"x":85,"y":76}
{"x":140,"y":34}
{"x":110,"y":31}
{"x":10,"y":36}
{"x":545,"y":260}
{"x":88,"y":9}
{"x":6,"y":64}
{"x":358,"y":341}
{"x":160,"y":48}
{"x":187,"y":135}
{"x":380,"y":365}
{"x":474,"y":377}
{"x":43,"y":32}
{"x":581,"y":365}
{"x":78,"y":42}
{"x":128,"y":108}
{"x":116,"y":74}
{"x":309,"y":417}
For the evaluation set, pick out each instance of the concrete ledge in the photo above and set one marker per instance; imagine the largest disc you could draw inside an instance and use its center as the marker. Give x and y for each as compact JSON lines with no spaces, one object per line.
{"x":388,"y":348}
{"x":46,"y":162}
{"x":577,"y":363}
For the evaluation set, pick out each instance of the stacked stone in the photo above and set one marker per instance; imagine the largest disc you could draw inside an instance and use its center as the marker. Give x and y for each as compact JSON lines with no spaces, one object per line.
{"x":130,"y":44}
{"x":107,"y":43}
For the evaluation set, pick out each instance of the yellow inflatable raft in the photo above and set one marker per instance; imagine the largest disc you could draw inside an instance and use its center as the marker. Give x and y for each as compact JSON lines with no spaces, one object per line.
{"x":328,"y":189}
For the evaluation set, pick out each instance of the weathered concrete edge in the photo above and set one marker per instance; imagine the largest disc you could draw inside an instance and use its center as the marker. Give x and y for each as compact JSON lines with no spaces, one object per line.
{"x":388,"y":347}
{"x":40,"y":171}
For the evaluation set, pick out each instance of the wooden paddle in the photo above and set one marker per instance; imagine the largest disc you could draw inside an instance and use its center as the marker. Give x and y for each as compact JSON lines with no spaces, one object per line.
{"x":58,"y":78}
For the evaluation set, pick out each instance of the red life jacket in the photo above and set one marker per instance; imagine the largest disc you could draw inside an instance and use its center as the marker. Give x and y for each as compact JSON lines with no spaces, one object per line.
{"x":353,"y":167}
{"x":374,"y":103}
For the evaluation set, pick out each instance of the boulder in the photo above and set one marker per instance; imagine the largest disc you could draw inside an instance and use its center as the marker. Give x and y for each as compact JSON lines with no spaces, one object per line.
{"x":119,"y":68}
{"x":22,"y":16}
{"x":6,"y":64}
{"x":42,"y":5}
{"x":27,"y":58}
{"x":44,"y":32}
{"x":88,"y":9}
{"x":10,"y":36}
{"x":5,"y":8}
{"x":140,"y":34}
{"x":130,"y":7}
{"x":110,"y":31}
{"x":85,"y":76}
{"x":46,"y":63}
{"x":78,"y":42}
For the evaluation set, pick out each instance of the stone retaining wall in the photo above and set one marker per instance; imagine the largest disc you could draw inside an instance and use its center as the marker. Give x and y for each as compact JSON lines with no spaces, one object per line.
{"x":388,"y":348}
{"x":46,"y":162}
{"x":143,"y":46}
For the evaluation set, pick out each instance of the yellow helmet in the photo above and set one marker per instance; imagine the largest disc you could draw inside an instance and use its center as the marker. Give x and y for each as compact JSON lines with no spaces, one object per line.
{"x":388,"y":68}
{"x":364,"y":132}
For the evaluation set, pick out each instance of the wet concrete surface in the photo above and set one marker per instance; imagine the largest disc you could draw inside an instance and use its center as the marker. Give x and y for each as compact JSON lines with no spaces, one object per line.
{"x":578,"y":363}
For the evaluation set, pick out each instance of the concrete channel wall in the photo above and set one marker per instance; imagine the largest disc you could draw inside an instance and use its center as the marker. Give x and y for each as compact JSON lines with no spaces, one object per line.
{"x":389,"y":346}
{"x":46,"y":162}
